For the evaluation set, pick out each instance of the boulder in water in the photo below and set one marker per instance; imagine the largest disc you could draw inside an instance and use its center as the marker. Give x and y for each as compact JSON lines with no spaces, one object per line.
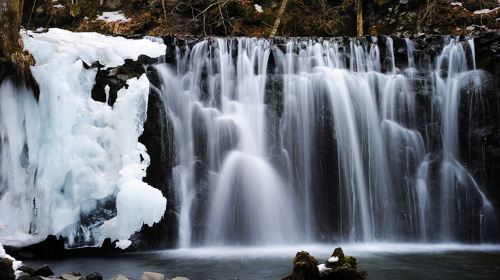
{"x":43,"y":271}
{"x":94,"y":276}
{"x":26,"y":269}
{"x":23,"y":276}
{"x":71,"y":276}
{"x":305,"y":267}
{"x":339,"y":266}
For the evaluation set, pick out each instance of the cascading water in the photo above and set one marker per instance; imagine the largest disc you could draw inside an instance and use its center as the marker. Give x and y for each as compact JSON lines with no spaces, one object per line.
{"x":276,"y":142}
{"x":223,"y":173}
{"x":319,"y":140}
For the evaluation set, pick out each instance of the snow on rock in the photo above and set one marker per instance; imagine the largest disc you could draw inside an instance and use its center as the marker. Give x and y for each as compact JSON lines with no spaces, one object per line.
{"x":15,"y":264}
{"x":258,"y":8}
{"x":333,"y":259}
{"x":123,"y":244}
{"x":485,"y":11}
{"x":456,"y":4}
{"x":322,"y":268}
{"x":116,"y":16}
{"x":70,"y":165}
{"x":88,"y":47}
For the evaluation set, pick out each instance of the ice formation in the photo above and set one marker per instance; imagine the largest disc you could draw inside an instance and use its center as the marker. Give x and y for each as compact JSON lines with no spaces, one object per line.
{"x":70,"y":165}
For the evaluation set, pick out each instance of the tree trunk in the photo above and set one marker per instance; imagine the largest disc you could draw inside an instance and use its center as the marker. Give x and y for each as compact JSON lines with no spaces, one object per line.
{"x":164,"y":6}
{"x":13,"y":60}
{"x":278,"y":18}
{"x":10,"y":22}
{"x":359,"y":18}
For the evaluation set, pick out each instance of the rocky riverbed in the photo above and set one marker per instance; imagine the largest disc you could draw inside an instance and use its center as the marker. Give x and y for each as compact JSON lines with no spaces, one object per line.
{"x":305,"y":267}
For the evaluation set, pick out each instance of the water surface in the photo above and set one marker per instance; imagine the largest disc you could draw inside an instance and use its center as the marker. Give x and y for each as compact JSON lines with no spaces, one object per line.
{"x":381,"y":261}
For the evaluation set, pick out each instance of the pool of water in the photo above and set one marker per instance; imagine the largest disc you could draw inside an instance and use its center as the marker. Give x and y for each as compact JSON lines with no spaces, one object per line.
{"x":381,"y":261}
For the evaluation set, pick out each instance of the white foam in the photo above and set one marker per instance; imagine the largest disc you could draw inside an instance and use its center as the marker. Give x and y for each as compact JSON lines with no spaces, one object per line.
{"x":324,"y":251}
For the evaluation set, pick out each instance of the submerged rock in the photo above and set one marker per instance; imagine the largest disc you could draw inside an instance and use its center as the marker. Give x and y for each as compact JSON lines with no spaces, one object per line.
{"x":152,"y":276}
{"x":23,"y":276}
{"x":120,"y":277}
{"x":26,"y":269}
{"x":43,"y":271}
{"x":71,"y":276}
{"x":94,"y":276}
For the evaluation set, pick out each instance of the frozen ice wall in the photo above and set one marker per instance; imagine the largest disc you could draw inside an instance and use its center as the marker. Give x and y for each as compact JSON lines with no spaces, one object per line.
{"x":70,"y":165}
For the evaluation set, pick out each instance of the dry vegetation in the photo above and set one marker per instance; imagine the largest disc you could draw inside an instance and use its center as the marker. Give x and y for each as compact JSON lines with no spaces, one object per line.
{"x":277,"y":17}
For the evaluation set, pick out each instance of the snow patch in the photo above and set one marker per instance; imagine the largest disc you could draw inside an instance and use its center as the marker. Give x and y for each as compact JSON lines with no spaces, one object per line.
{"x":116,"y":16}
{"x":485,"y":11}
{"x":322,"y":268}
{"x":258,"y":8}
{"x":333,"y":259}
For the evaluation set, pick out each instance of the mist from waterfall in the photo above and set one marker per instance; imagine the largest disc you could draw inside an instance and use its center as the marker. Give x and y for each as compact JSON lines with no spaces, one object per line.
{"x":320,"y":140}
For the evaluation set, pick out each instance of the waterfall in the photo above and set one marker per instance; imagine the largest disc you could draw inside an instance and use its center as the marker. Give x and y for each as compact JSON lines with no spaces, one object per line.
{"x":319,"y":140}
{"x":276,"y":141}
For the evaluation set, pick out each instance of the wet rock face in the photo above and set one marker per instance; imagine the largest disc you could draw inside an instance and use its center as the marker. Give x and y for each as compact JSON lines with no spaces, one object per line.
{"x":157,"y":137}
{"x":110,"y":81}
{"x":481,"y":146}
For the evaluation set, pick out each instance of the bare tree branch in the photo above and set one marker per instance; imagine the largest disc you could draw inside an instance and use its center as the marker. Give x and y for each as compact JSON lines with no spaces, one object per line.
{"x":278,"y":18}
